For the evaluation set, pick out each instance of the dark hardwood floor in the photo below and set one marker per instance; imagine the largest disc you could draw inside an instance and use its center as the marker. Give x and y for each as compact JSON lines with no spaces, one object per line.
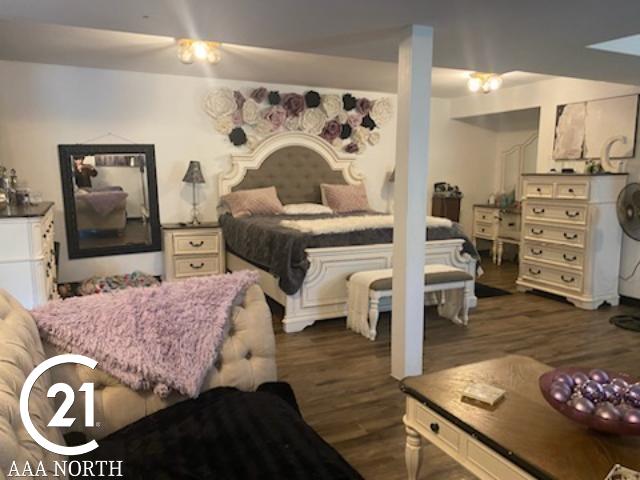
{"x":346,"y":393}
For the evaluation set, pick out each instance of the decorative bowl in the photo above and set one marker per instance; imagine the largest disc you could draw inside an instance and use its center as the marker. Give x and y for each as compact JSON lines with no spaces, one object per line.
{"x":588,"y":419}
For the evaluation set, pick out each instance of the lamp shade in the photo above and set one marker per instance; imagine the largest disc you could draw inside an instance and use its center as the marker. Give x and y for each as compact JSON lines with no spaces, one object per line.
{"x":194,"y":173}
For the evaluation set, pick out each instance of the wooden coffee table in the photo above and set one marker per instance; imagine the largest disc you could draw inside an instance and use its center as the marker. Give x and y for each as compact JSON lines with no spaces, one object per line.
{"x":522,"y":437}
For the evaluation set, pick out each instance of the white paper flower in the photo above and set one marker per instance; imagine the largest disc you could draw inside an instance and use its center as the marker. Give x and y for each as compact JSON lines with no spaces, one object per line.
{"x":361,"y":147}
{"x":337,"y":142}
{"x":250,"y":112}
{"x":293,"y":123}
{"x":332,"y":105}
{"x":252,"y":142}
{"x":382,"y":111}
{"x":263,"y":127}
{"x":342,"y":116}
{"x":220,"y":103}
{"x":360,"y":135}
{"x":313,"y":120}
{"x":224,"y":124}
{"x":374,"y":138}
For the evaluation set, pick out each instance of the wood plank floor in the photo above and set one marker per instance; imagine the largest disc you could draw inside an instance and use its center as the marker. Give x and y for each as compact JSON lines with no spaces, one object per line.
{"x":345,"y":391}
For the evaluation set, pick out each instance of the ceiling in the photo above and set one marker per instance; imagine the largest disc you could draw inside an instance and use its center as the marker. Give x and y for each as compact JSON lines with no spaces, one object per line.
{"x":546,"y":36}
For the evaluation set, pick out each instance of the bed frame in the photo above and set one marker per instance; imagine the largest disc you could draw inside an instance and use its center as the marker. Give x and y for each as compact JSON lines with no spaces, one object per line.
{"x":323,"y":294}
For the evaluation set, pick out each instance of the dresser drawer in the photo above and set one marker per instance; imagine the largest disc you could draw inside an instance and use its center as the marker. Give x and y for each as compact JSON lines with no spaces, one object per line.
{"x":555,"y":234}
{"x":190,"y":244}
{"x":564,"y":257}
{"x":538,"y":189}
{"x":485,"y":215}
{"x":572,"y":191}
{"x":486,"y":230}
{"x":437,"y":429}
{"x":556,"y":212}
{"x":490,"y":463}
{"x":196,"y":265}
{"x":562,"y":278}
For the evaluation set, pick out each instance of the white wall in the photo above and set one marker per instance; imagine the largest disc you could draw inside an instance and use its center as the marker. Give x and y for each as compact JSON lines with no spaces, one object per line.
{"x":547,"y":95}
{"x":42,"y":106}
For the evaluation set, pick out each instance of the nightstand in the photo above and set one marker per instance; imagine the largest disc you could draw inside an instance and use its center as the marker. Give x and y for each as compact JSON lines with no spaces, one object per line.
{"x":192,"y":250}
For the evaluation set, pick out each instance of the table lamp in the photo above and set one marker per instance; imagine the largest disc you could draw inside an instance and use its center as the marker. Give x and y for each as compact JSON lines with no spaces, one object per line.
{"x":194,"y":176}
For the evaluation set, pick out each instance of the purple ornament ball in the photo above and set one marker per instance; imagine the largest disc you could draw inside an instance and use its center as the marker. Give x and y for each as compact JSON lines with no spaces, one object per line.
{"x":611,"y":394}
{"x":632,"y":396}
{"x":619,"y":385}
{"x":631,"y":415}
{"x":607,"y":411}
{"x":582,"y":404}
{"x":564,"y":378}
{"x":592,"y":390}
{"x":560,"y":392}
{"x":599,"y":376}
{"x":579,"y":378}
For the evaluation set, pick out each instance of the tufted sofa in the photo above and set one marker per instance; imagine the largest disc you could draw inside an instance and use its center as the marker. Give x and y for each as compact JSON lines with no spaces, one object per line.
{"x":247,"y":360}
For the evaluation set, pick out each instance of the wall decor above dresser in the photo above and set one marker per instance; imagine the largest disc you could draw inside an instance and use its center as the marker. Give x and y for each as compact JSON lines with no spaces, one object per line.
{"x":571,"y":238}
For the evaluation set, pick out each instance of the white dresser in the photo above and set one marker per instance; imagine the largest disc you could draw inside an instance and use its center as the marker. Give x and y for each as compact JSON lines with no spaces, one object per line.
{"x":571,"y":238}
{"x":27,"y":256}
{"x":498,"y":226}
{"x":192,"y":251}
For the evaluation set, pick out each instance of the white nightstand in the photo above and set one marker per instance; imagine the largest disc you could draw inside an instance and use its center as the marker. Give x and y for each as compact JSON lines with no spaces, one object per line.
{"x":192,"y":250}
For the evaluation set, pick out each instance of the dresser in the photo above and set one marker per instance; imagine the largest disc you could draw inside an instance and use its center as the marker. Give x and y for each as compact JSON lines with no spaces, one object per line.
{"x":571,"y":238}
{"x":191,"y":251}
{"x":27,"y":254}
{"x":499,"y":226}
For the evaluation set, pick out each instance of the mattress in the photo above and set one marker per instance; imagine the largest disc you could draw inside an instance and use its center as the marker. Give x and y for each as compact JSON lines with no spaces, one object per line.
{"x":265,"y":243}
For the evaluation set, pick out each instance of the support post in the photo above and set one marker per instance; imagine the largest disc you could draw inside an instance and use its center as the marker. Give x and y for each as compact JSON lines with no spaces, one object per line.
{"x":410,"y":200}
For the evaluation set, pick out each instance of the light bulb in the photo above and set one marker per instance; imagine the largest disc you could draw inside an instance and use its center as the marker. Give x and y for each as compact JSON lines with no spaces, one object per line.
{"x":474,"y":84}
{"x":495,"y":82}
{"x":200,"y":50}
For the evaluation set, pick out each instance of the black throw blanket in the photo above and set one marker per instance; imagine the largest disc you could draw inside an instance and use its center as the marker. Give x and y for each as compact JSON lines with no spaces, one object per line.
{"x":262,"y":241}
{"x":225,"y":434}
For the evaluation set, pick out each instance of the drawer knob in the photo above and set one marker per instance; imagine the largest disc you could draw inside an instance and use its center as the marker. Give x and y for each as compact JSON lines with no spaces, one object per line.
{"x":571,"y":190}
{"x":538,"y":211}
{"x":571,"y":214}
{"x":534,"y":272}
{"x":197,"y":267}
{"x":535,"y":252}
{"x":567,"y":279}
{"x":196,"y":244}
{"x":435,"y":428}
{"x":568,"y":258}
{"x":538,"y":189}
{"x":537,"y":231}
{"x":570,"y":236}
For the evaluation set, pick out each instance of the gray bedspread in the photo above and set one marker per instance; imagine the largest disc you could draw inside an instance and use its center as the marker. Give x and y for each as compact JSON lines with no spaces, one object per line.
{"x":262,"y":241}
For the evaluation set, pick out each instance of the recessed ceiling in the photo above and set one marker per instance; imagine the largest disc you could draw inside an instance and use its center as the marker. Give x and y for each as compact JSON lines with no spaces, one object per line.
{"x":63,"y":45}
{"x":547,"y":37}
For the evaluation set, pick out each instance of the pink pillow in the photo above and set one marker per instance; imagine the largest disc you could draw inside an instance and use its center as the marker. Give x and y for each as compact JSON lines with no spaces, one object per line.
{"x":258,"y":201}
{"x":345,"y":198}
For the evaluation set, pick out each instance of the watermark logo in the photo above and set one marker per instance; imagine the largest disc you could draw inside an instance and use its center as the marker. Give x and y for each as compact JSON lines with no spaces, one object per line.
{"x":60,"y":418}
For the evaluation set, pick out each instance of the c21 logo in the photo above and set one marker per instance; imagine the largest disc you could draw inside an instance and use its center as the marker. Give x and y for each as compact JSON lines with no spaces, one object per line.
{"x":59,"y":419}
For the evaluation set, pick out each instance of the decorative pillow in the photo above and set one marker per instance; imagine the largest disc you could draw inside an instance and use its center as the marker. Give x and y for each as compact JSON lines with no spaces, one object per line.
{"x":258,"y":201}
{"x":305,"y":209}
{"x":345,"y":198}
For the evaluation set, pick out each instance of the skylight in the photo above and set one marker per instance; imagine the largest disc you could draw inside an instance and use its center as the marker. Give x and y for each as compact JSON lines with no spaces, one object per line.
{"x":627,"y":45}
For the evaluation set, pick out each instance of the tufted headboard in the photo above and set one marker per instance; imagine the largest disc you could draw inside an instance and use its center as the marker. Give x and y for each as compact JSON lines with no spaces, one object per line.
{"x":295,"y":163}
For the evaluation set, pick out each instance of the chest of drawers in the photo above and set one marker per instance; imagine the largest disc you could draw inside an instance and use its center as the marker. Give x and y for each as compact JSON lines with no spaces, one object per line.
{"x":27,"y":254}
{"x":571,"y":238}
{"x":192,"y":251}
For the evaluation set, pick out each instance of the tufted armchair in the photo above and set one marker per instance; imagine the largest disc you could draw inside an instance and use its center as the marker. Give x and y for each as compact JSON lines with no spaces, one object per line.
{"x":247,"y":360}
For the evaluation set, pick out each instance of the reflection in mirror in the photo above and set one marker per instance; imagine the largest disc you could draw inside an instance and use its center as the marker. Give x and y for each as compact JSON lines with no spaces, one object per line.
{"x":110,"y":199}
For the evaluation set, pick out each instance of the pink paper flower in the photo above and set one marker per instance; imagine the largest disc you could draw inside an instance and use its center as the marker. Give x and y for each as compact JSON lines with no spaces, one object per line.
{"x":331,"y":131}
{"x":351,"y":148}
{"x":354,"y":120}
{"x":293,"y":103}
{"x":239,"y":98}
{"x":363,"y":106}
{"x":237,"y":119}
{"x":259,"y":94}
{"x":276,"y":115}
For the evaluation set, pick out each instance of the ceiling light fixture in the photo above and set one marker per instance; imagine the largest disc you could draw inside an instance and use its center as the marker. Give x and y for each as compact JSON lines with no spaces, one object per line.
{"x":484,"y":82}
{"x":191,"y":50}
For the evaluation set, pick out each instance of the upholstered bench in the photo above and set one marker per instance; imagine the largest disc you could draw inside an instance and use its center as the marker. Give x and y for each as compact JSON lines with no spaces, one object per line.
{"x":378,"y":285}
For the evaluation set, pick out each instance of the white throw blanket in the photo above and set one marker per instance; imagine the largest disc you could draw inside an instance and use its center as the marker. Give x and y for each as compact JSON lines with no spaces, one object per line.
{"x":352,"y":223}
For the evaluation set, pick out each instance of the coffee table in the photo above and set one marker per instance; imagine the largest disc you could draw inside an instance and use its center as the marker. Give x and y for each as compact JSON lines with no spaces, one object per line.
{"x":521,"y":437}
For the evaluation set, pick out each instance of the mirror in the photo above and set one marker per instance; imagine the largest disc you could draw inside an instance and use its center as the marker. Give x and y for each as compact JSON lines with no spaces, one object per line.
{"x":515,"y":161}
{"x":110,"y":199}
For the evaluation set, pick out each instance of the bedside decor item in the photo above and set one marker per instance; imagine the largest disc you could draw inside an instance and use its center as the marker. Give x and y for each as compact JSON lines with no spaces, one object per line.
{"x":193,"y":175}
{"x":603,"y":401}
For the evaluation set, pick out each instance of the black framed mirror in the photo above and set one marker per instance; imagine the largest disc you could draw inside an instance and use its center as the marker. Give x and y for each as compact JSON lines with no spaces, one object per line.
{"x":110,"y":197}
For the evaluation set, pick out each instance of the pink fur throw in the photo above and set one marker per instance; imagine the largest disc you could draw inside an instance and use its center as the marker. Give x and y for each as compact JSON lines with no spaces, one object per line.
{"x":164,"y":337}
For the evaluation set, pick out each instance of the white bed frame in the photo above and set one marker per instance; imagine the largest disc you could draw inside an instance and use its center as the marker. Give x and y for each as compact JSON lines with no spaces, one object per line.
{"x":323,"y":294}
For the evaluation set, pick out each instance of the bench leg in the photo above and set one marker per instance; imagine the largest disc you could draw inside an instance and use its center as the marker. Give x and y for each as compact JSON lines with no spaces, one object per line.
{"x":374,"y":315}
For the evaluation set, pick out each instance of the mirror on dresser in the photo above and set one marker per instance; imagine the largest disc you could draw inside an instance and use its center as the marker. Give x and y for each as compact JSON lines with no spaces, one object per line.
{"x":110,"y":199}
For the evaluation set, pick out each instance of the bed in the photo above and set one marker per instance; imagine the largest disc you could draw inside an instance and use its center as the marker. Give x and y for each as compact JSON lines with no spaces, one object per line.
{"x":101,"y":210}
{"x":296,"y":164}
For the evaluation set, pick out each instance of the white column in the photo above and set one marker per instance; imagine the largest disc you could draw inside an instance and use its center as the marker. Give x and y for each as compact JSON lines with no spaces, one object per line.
{"x":410,"y":200}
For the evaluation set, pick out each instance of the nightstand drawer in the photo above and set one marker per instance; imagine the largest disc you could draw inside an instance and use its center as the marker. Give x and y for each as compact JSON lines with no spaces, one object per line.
{"x":195,"y":243}
{"x":196,"y":265}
